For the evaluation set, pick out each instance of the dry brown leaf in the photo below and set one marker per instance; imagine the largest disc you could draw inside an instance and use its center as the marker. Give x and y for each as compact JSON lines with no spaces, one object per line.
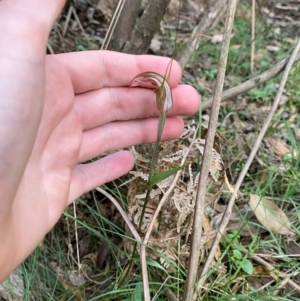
{"x":209,"y":232}
{"x":217,"y":253}
{"x":217,"y":38}
{"x":270,"y":215}
{"x":279,"y":146}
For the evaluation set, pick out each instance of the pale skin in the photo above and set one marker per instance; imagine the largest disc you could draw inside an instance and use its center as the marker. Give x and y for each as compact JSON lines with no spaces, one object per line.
{"x":59,"y":111}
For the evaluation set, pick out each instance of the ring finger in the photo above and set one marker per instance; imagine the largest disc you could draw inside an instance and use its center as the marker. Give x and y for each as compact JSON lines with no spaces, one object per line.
{"x":122,"y":134}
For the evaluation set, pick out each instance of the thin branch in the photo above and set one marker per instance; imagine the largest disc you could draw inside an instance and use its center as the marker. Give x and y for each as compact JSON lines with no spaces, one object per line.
{"x":265,"y":126}
{"x":252,"y":36}
{"x":252,"y":83}
{"x":270,"y":268}
{"x":71,"y":11}
{"x":78,"y":22}
{"x":67,"y":20}
{"x":192,"y":45}
{"x":205,"y":161}
{"x":49,"y":47}
{"x":76,"y":236}
{"x":136,"y":236}
{"x":113,"y":24}
{"x":125,"y":25}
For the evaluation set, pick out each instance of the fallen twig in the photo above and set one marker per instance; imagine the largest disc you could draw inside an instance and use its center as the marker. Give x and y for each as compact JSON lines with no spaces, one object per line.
{"x":205,"y":161}
{"x":265,"y":126}
{"x":253,"y":82}
{"x":270,"y":268}
{"x":193,"y":43}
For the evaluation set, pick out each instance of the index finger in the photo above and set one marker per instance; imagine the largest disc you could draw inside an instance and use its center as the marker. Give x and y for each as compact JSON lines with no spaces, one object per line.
{"x":90,"y":70}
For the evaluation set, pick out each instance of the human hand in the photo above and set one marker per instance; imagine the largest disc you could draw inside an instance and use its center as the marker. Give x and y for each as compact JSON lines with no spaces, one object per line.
{"x":59,"y":111}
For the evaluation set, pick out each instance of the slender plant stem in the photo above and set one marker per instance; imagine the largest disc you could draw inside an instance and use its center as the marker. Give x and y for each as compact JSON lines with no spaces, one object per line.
{"x":76,"y":236}
{"x":266,"y":124}
{"x":167,"y":193}
{"x":136,"y":236}
{"x":161,"y":124}
{"x":162,"y":201}
{"x":122,"y":212}
{"x":112,"y":24}
{"x":164,"y":102}
{"x":205,"y":162}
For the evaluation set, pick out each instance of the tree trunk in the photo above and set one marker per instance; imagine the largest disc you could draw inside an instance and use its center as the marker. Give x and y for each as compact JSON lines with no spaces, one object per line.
{"x":146,"y":27}
{"x":125,"y":25}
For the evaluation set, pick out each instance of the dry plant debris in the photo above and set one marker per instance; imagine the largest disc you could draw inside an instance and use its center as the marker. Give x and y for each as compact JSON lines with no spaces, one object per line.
{"x":171,"y":235}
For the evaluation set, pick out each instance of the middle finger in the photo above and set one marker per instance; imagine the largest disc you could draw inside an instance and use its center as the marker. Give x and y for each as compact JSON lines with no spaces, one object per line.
{"x":98,"y":107}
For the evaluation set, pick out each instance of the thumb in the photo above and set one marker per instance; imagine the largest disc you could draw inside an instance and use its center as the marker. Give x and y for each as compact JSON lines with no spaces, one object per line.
{"x":24,"y":27}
